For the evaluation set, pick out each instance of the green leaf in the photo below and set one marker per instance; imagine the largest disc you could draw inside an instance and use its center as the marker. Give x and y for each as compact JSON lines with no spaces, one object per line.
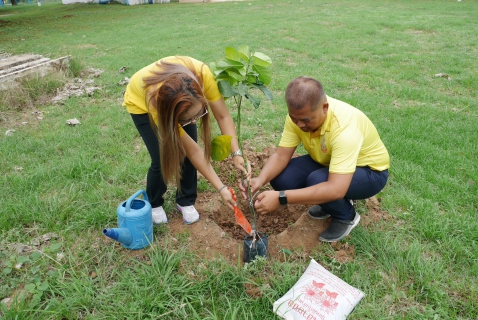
{"x":35,"y":255}
{"x":234,"y":75}
{"x":286,"y":251}
{"x":228,"y":64}
{"x":264,"y":74}
{"x":221,"y":147}
{"x":43,"y":286}
{"x":36,"y":298}
{"x":35,"y":269}
{"x":264,"y":90}
{"x":30,"y":287}
{"x":226,"y":89}
{"x":232,"y":54}
{"x":224,"y":75}
{"x":23,"y":259}
{"x":261,"y":59}
{"x":7,"y":271}
{"x":251,"y":78}
{"x":54,"y":247}
{"x":242,"y":89}
{"x":244,"y":53}
{"x":255,"y":102}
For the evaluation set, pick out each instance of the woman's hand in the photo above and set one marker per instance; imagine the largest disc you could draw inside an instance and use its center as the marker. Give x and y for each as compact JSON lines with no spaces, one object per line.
{"x":227,"y":197}
{"x":239,"y":164}
{"x":255,"y":185}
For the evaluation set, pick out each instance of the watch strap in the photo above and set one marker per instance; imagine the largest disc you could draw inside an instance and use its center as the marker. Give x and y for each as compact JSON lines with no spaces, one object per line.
{"x":282,"y":197}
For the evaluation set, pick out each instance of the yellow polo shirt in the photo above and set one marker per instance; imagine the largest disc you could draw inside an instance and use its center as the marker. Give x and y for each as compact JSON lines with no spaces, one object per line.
{"x":134,"y":97}
{"x":346,"y":140}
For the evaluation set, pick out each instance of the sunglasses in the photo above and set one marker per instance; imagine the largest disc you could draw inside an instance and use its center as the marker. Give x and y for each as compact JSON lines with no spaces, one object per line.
{"x":193,"y":119}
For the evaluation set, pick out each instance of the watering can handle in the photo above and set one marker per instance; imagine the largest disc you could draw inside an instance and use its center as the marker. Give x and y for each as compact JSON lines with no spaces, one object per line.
{"x":134,"y":196}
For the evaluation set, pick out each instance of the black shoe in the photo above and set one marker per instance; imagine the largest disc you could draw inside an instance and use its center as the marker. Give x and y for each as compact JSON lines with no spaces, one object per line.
{"x":316,"y":212}
{"x":339,"y":229}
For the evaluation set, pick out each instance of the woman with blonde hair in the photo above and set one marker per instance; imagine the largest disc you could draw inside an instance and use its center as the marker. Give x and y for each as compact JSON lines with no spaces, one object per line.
{"x":166,"y":99}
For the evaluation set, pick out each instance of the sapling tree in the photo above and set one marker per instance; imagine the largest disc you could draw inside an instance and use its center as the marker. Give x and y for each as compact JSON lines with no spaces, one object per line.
{"x":241,"y":75}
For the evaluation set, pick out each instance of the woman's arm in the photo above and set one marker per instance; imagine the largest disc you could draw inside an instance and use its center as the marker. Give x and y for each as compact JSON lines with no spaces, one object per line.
{"x":224,"y":120}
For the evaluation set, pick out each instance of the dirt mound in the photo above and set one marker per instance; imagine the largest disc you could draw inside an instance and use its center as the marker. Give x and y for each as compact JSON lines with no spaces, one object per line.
{"x":290,"y":230}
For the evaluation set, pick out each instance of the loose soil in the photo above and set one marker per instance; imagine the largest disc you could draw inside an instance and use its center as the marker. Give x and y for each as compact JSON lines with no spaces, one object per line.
{"x":289,"y":229}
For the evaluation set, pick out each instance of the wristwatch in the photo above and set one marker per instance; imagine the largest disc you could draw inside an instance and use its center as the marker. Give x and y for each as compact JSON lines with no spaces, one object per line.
{"x":236,"y":153}
{"x":282,"y":198}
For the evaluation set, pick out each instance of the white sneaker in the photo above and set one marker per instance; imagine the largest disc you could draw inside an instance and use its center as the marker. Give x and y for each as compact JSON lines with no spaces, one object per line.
{"x":190,"y":214}
{"x":159,"y":216}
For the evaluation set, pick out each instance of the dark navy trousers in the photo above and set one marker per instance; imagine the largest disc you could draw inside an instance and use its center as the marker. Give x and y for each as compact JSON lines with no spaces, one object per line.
{"x":155,"y":186}
{"x":303,"y":171}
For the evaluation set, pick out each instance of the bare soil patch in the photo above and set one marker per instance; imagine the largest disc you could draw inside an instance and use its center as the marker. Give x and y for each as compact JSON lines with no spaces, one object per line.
{"x":289,"y":229}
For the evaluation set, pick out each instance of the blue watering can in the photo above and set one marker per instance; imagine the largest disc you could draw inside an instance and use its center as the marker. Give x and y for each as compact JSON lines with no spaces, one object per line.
{"x":135,"y":223}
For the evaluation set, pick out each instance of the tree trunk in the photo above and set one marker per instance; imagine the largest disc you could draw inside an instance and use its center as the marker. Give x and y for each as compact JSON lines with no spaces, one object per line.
{"x":14,"y":2}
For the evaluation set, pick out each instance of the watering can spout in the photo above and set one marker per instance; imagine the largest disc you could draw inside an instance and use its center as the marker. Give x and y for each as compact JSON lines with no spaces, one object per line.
{"x":122,"y":235}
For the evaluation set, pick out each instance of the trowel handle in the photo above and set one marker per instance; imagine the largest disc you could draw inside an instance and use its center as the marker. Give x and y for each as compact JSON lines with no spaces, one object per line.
{"x":134,"y":196}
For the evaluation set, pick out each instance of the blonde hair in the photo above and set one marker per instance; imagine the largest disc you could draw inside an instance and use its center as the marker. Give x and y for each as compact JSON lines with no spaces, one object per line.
{"x":171,"y":90}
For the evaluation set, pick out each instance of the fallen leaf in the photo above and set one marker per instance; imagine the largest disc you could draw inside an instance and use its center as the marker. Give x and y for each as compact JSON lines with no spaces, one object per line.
{"x":23,"y":248}
{"x":48,"y":236}
{"x":442,"y":75}
{"x":10,"y":132}
{"x":124,"y":82}
{"x":95,"y":72}
{"x":73,"y":122}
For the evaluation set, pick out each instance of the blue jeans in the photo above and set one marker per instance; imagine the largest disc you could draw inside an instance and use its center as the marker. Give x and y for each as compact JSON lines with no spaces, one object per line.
{"x":303,"y":172}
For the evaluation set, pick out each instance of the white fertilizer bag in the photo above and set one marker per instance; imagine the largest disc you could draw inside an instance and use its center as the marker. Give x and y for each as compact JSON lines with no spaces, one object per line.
{"x":318,"y":294}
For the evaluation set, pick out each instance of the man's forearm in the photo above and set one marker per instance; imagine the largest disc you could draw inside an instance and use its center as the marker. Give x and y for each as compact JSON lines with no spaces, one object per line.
{"x":273,"y":167}
{"x":317,"y":194}
{"x":334,"y":189}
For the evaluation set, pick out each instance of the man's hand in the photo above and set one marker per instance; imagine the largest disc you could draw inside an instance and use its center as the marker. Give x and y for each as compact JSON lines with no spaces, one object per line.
{"x":255,"y":184}
{"x":267,"y":201}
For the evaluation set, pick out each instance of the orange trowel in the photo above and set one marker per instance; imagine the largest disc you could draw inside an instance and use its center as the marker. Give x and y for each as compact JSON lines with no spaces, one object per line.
{"x":240,"y":218}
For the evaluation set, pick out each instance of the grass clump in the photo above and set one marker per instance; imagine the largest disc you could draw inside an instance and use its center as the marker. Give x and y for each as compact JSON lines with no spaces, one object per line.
{"x":31,"y":92}
{"x":75,"y":67}
{"x":37,"y":90}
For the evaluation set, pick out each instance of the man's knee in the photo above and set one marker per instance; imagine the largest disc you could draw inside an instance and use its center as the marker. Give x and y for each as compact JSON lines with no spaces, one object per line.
{"x":318,"y":176}
{"x":276,"y":184}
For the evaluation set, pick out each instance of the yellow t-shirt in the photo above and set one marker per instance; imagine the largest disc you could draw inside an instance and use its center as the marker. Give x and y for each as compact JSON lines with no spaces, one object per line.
{"x":346,"y":140}
{"x":134,"y":97}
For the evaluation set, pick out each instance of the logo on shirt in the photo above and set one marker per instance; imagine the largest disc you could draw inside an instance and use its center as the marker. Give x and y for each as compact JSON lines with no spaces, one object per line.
{"x":323,"y":144}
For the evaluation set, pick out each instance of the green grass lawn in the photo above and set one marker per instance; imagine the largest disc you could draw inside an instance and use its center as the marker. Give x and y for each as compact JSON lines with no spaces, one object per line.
{"x":380,"y":56}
